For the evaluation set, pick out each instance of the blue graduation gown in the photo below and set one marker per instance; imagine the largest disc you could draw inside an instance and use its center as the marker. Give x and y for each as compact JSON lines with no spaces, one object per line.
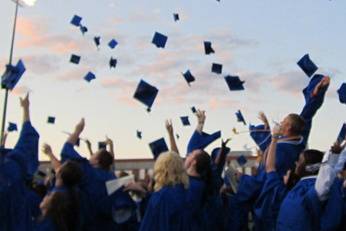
{"x":96,"y":214}
{"x":334,"y":213}
{"x":166,"y":210}
{"x":301,"y":209}
{"x":268,"y":203}
{"x":45,"y":225}
{"x":15,"y":168}
{"x":195,"y":197}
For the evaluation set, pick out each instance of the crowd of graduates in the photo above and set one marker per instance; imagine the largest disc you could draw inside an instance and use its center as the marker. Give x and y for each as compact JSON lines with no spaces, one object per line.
{"x":295,"y":188}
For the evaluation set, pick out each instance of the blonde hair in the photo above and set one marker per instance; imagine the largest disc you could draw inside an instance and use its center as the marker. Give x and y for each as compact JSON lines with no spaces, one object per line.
{"x":169,"y":171}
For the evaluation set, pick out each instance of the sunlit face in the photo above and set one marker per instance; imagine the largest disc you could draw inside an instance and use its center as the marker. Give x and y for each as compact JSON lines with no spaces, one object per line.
{"x":191,"y":159}
{"x":285,"y":125}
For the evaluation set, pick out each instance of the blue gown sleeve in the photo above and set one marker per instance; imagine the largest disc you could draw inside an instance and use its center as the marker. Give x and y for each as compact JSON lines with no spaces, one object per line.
{"x":69,"y":153}
{"x":313,"y":207}
{"x":268,"y":203}
{"x":25,"y":151}
{"x":312,"y":104}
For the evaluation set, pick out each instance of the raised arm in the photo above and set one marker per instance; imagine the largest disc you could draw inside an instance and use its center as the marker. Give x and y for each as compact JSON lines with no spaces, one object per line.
{"x":110,"y":144}
{"x":74,"y":136}
{"x":264,"y":120}
{"x":271,"y":155}
{"x":200,"y":120}
{"x":68,"y":151}
{"x":46,"y":149}
{"x":221,"y":157}
{"x":88,"y":144}
{"x":329,"y":170}
{"x":170,"y":131}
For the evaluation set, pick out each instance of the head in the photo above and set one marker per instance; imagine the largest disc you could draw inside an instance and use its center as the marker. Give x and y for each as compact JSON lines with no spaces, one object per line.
{"x":308,"y":158}
{"x":62,"y":207}
{"x":292,"y":125}
{"x":169,"y":171}
{"x":102,"y":159}
{"x":69,"y":174}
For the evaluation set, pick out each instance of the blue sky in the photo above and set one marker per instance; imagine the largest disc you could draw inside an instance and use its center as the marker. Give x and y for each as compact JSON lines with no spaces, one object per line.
{"x":260,"y":41}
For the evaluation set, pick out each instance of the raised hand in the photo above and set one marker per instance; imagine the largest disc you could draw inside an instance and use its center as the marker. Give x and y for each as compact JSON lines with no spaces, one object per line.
{"x":200,"y":116}
{"x":169,"y":126}
{"x":337,"y":147}
{"x":80,"y":126}
{"x":24,"y":102}
{"x":46,"y":149}
{"x":322,"y":84}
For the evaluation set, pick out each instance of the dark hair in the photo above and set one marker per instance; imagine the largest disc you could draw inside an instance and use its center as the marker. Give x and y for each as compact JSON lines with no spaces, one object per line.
{"x":311,"y":156}
{"x":203,"y":168}
{"x":297,"y":124}
{"x":105,"y":159}
{"x":64,"y":210}
{"x":70,"y":173}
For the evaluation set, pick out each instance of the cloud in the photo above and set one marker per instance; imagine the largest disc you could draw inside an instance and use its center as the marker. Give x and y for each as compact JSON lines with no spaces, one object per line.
{"x":21,"y":90}
{"x":73,"y":75}
{"x":291,"y":82}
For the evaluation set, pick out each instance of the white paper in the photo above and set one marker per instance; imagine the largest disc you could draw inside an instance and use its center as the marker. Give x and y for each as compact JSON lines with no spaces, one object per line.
{"x":114,"y":185}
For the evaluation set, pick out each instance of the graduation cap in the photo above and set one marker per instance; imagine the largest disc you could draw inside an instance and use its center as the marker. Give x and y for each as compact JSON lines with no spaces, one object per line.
{"x":234,"y":83}
{"x":76,"y":20}
{"x":159,"y":40}
{"x":207,"y":48}
{"x":102,"y":145}
{"x":51,"y":120}
{"x":112,"y":44}
{"x":97,"y":41}
{"x":188,"y":77}
{"x":158,"y":146}
{"x":342,"y":93}
{"x":75,"y":59}
{"x":90,"y":76}
{"x":185,"y":120}
{"x":241,"y":160}
{"x":139,"y":134}
{"x":12,"y":127}
{"x":240,"y":117}
{"x":146,"y":94}
{"x":12,"y":75}
{"x":113,"y":62}
{"x":83,"y":29}
{"x":216,"y":68}
{"x":176,"y":17}
{"x":342,"y":133}
{"x":201,"y":140}
{"x":193,"y":109}
{"x":307,"y":65}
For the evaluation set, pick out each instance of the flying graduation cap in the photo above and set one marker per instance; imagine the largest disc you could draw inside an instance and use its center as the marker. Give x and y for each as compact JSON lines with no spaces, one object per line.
{"x":342,"y":134}
{"x":234,"y":83}
{"x":113,"y":63}
{"x":216,"y":68}
{"x":208,"y":48}
{"x":307,"y":65}
{"x":193,"y":109}
{"x":75,"y":59}
{"x":139,"y":134}
{"x":51,"y":120}
{"x":176,"y":17}
{"x":76,"y":20}
{"x":97,"y":41}
{"x":89,"y":76}
{"x":83,"y":29}
{"x":185,"y":120}
{"x":113,"y":43}
{"x":240,"y":117}
{"x":188,"y":77}
{"x":342,"y":93}
{"x":157,"y":147}
{"x":12,"y":75}
{"x":12,"y":127}
{"x":146,"y":94}
{"x":159,"y":40}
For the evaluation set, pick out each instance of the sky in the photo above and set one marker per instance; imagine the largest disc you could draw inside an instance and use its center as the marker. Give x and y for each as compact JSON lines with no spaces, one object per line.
{"x":260,"y":41}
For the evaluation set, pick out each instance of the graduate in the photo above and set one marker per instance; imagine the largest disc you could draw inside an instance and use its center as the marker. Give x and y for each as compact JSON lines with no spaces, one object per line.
{"x":102,"y":212}
{"x":167,"y":208}
{"x":60,"y":208}
{"x":306,"y":197}
{"x":295,"y":131}
{"x":17,"y":165}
